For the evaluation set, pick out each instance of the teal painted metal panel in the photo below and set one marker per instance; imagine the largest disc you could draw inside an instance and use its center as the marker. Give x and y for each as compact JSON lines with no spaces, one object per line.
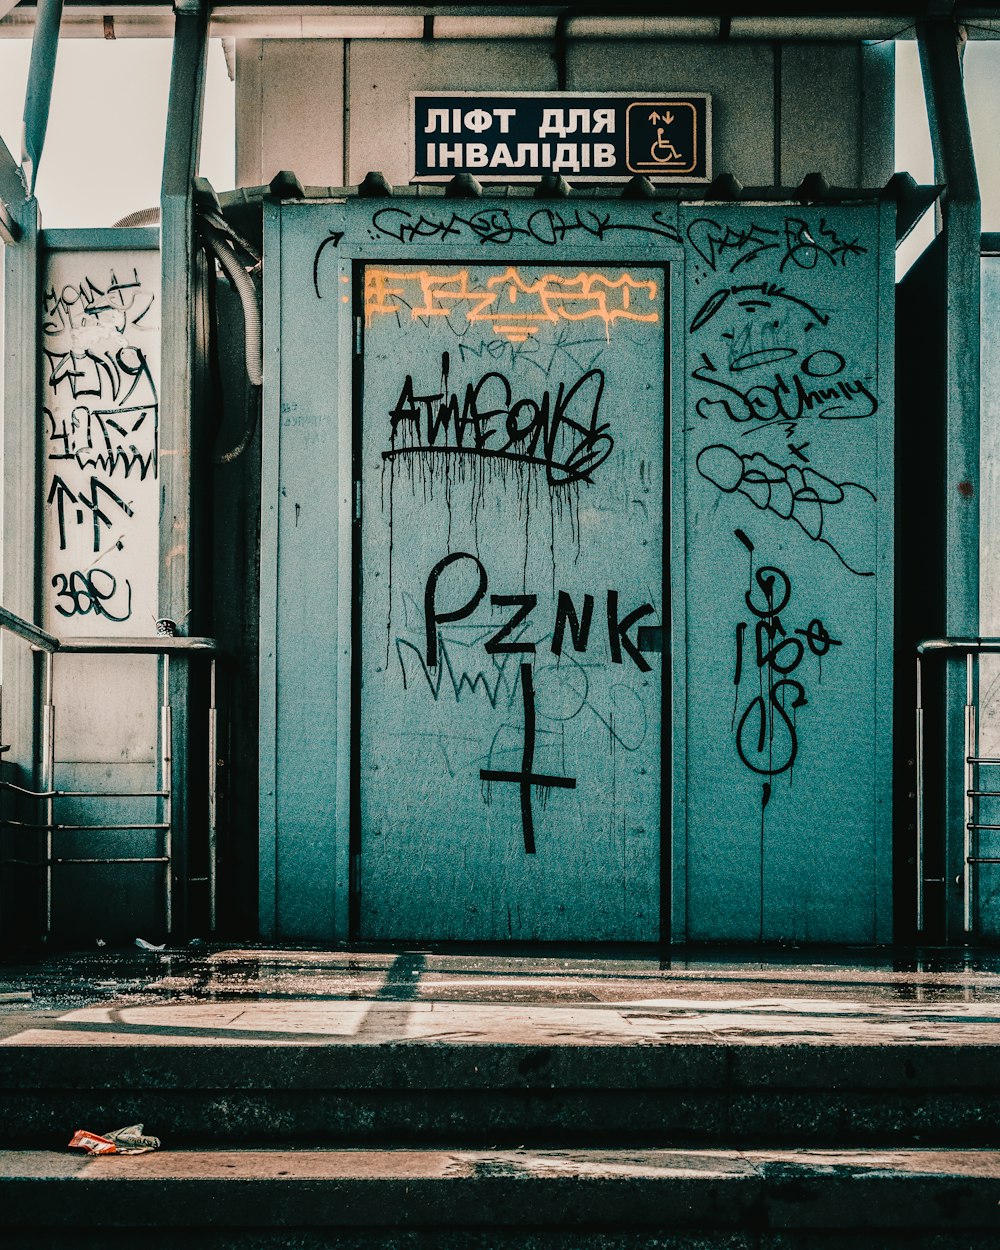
{"x":109,"y":239}
{"x":511,"y":569}
{"x":759,"y":296}
{"x":788,"y":424}
{"x":304,"y":654}
{"x":270,"y":438}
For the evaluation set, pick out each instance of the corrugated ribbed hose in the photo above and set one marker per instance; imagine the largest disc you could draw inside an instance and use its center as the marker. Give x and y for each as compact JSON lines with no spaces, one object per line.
{"x":253,"y":338}
{"x":221,"y":249}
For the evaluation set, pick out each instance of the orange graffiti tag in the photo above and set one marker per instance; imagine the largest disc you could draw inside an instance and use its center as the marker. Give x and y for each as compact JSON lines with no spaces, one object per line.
{"x":517,"y":309}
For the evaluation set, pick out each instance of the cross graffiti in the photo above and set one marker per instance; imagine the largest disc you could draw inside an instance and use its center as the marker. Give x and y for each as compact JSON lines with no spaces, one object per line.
{"x":526,"y":778}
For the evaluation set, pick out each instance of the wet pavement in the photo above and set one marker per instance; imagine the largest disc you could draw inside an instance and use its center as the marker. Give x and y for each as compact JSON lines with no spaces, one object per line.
{"x":235,"y":993}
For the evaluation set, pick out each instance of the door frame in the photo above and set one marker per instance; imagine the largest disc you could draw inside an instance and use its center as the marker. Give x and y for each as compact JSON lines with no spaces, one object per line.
{"x":307,"y":713}
{"x":671,"y":595}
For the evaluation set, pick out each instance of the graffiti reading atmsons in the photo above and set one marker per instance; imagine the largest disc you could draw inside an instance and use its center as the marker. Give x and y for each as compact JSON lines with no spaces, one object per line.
{"x":767,"y":736}
{"x":562,"y":431}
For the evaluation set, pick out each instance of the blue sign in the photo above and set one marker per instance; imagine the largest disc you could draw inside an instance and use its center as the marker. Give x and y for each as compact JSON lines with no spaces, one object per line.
{"x":590,"y":138}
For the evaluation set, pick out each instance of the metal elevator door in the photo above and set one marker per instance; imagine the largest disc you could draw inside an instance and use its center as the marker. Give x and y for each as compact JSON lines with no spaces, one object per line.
{"x":510,"y":564}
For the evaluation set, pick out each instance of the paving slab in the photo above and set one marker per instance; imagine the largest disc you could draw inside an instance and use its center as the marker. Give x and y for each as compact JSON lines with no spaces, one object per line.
{"x":376,"y":1021}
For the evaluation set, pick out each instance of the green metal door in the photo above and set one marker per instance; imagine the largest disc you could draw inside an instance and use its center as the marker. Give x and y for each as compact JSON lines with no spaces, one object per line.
{"x":510,"y":562}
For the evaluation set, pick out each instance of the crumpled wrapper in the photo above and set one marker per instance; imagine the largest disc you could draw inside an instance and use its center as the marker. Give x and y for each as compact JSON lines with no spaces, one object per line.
{"x":120,"y":1141}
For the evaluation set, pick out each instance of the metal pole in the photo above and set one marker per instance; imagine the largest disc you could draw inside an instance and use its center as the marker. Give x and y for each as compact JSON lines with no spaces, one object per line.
{"x":940,"y":43}
{"x":213,"y":763}
{"x":38,"y":97}
{"x":182,"y":470}
{"x":920,"y":796}
{"x":167,"y":786}
{"x":47,"y":785}
{"x":970,"y":774}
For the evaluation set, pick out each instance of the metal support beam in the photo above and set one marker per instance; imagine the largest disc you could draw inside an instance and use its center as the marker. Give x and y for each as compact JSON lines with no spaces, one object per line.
{"x":941,"y":45}
{"x":38,"y":95}
{"x":12,"y":195}
{"x":20,"y":450}
{"x":179,"y":599}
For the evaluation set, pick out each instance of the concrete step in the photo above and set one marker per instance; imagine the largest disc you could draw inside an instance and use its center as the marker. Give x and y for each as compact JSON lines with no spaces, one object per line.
{"x":398,"y":1052}
{"x":492,"y":1200}
{"x":489,"y":1093}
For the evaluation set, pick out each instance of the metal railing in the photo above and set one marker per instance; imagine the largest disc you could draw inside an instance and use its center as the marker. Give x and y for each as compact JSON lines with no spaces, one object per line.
{"x":166,"y":647}
{"x":971,"y":648}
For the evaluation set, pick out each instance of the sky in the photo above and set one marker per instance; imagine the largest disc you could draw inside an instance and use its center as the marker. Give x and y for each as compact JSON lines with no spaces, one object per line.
{"x":103,"y":156}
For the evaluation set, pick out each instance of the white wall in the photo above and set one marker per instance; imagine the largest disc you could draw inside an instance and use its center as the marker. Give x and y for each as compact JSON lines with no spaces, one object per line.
{"x":332,"y":110}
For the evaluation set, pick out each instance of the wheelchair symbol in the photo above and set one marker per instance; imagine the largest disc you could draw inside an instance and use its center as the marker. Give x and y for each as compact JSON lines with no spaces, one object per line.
{"x":662,"y":138}
{"x":663,"y":151}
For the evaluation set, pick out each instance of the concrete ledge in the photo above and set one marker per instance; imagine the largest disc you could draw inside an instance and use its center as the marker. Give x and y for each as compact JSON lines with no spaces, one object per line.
{"x":348,"y":1064}
{"x":788,"y":1192}
{"x":449,"y":1092}
{"x":186,"y":1118}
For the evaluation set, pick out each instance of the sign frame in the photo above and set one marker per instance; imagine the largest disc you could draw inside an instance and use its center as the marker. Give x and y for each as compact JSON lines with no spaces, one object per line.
{"x":566,"y":100}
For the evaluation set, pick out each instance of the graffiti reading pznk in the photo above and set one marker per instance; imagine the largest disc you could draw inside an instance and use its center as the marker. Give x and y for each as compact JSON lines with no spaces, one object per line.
{"x":509,"y":640}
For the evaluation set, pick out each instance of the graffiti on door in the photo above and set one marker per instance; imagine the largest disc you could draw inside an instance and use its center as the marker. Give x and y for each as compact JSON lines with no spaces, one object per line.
{"x":512,"y":500}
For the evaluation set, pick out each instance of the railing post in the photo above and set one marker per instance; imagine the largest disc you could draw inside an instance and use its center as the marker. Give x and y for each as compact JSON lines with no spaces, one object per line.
{"x":920,"y":795}
{"x":213,"y":800}
{"x":48,"y":778}
{"x":969,"y":773}
{"x":167,"y":786}
{"x":43,"y":791}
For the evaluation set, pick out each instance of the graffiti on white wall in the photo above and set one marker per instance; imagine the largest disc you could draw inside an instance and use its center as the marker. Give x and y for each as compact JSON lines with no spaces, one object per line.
{"x":100,"y":367}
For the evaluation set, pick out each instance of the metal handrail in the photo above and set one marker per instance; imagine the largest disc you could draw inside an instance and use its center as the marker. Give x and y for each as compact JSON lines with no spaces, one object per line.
{"x":160,"y":644}
{"x":974,"y":645}
{"x":970,"y":648}
{"x":15,"y":624}
{"x":165,"y":646}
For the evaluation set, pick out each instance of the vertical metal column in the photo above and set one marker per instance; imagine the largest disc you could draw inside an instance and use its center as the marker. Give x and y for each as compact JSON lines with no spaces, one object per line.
{"x":183,"y":138}
{"x":179,"y":600}
{"x":940,"y":44}
{"x":19,"y":455}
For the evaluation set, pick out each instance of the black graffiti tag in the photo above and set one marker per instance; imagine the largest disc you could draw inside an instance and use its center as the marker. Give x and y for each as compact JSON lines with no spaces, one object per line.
{"x":561,"y":433}
{"x":767,"y":739}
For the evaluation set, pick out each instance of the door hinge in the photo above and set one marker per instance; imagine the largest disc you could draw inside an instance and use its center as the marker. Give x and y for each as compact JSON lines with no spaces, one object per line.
{"x":358,"y":329}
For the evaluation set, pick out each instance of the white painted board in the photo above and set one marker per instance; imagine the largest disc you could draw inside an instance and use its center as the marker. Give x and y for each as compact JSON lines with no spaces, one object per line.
{"x":99,"y":412}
